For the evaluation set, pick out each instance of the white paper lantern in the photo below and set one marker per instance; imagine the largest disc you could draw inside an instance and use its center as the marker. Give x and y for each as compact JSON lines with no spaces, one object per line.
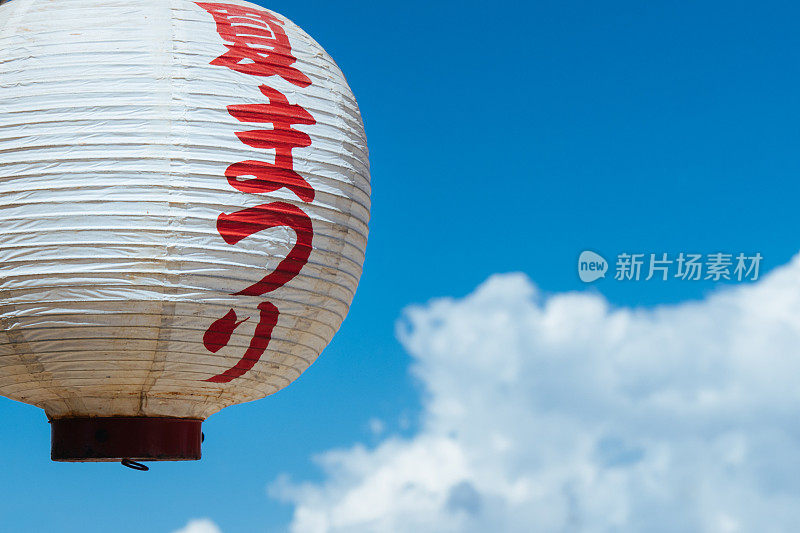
{"x":184,"y":201}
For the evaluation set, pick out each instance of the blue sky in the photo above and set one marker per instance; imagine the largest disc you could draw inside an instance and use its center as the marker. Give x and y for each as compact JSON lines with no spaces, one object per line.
{"x":504,"y":137}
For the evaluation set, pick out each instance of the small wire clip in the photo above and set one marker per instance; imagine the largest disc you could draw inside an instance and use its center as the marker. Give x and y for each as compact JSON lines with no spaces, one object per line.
{"x":134,"y":465}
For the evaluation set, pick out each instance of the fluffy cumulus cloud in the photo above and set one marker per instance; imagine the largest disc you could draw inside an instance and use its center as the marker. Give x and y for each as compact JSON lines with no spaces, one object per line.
{"x":561,"y":414}
{"x":203,"y":525}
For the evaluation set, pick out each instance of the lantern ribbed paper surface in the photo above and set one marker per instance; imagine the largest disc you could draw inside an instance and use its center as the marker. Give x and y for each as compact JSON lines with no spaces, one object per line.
{"x":184,"y":201}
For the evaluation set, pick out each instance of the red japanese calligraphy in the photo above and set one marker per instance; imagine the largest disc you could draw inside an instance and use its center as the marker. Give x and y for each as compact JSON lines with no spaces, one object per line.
{"x":268,"y":178}
{"x":257,"y":44}
{"x":242,"y":224}
{"x":258,"y":345}
{"x":218,"y":335}
{"x":282,"y":138}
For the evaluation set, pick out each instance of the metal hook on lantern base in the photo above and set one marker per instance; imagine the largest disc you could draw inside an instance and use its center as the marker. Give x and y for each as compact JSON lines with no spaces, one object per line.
{"x":134,"y":465}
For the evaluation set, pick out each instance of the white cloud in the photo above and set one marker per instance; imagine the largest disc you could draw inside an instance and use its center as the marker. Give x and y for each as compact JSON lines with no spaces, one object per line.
{"x":560,"y":413}
{"x":203,"y":525}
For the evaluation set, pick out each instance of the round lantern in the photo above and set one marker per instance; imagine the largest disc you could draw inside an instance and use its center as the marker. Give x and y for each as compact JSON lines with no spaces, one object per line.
{"x":184,"y":201}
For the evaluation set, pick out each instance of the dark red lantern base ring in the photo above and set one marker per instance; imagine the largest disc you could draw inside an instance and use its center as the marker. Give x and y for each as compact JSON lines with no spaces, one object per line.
{"x":118,"y":438}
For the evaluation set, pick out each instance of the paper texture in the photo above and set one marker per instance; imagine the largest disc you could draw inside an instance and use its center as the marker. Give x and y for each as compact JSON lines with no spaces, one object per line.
{"x":136,"y":278}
